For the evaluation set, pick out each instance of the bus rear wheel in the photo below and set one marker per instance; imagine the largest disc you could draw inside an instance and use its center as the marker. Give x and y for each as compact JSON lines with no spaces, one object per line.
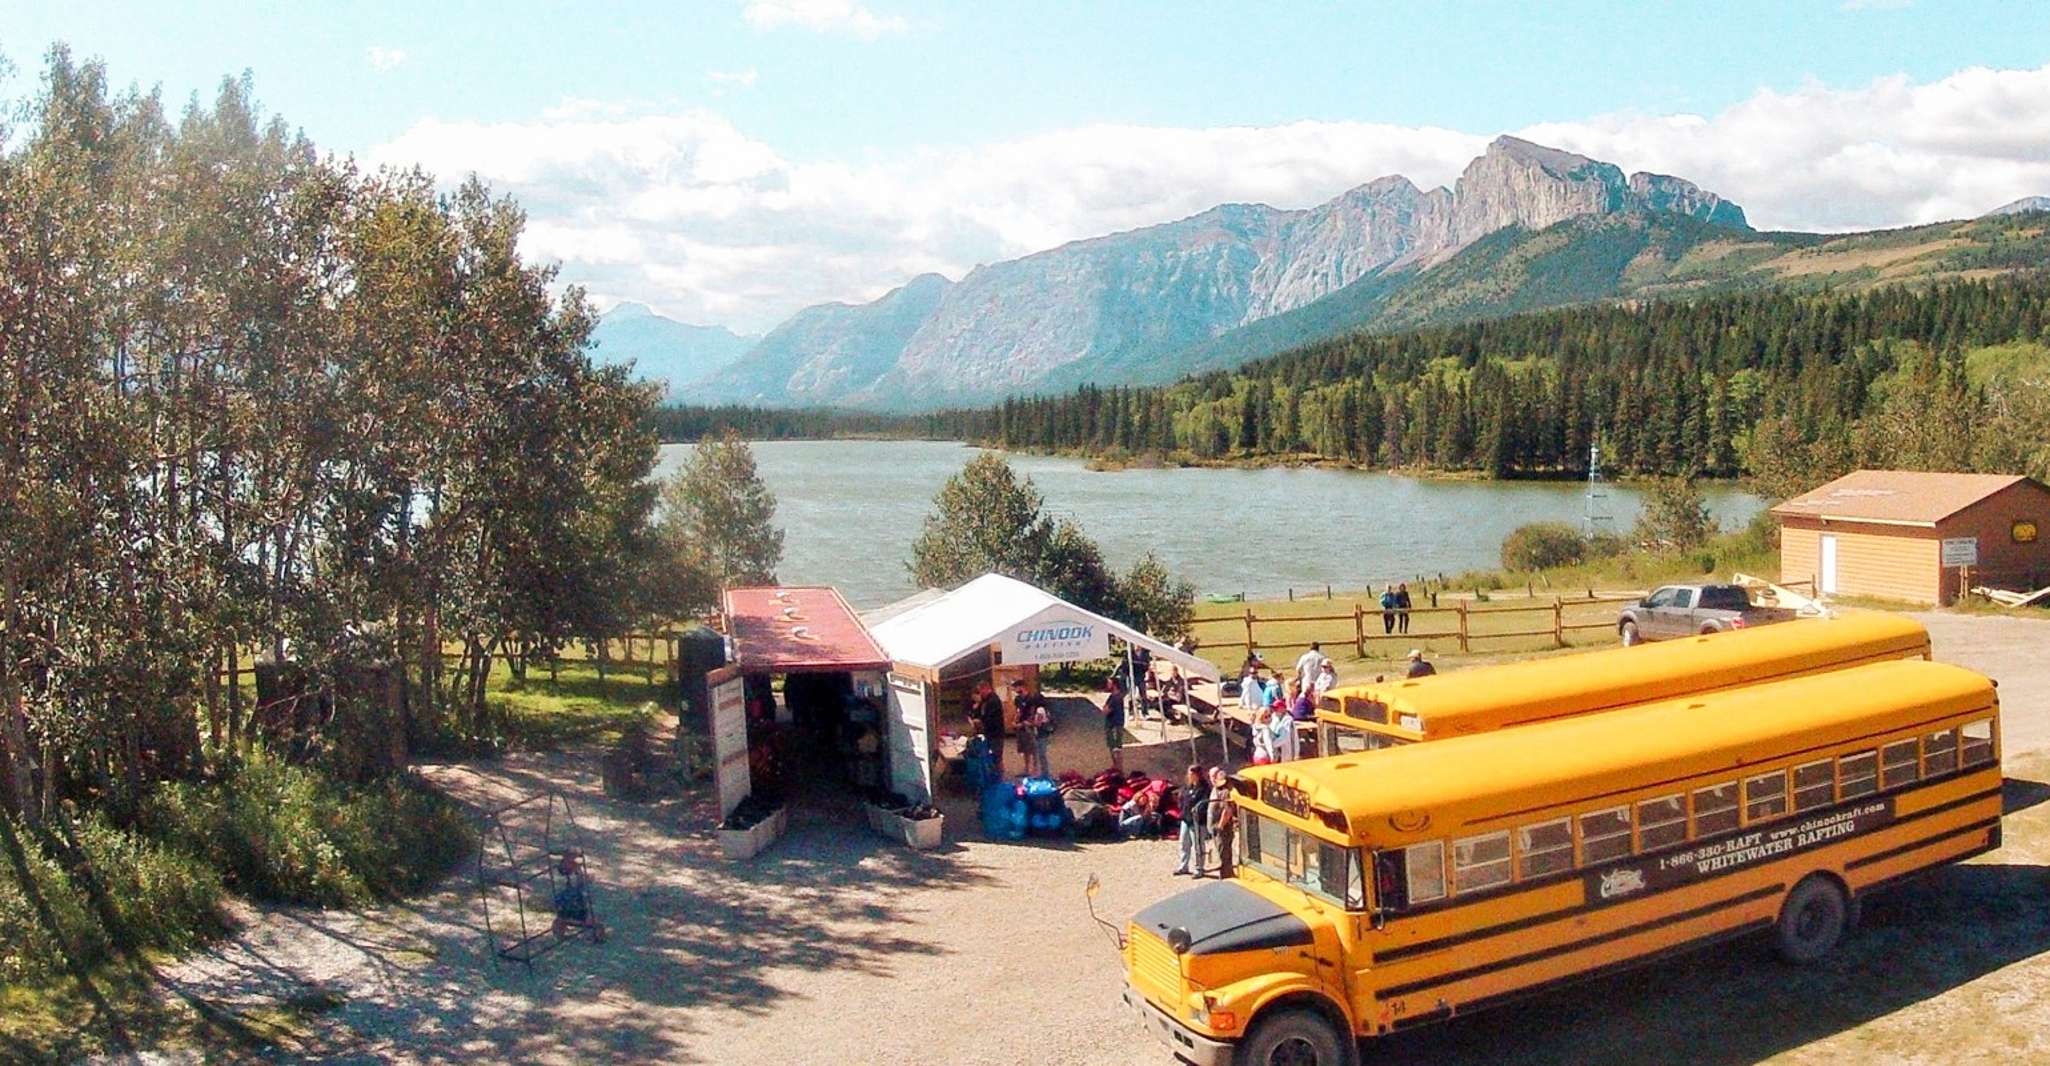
{"x":1812,"y":920}
{"x":1293,"y":1038}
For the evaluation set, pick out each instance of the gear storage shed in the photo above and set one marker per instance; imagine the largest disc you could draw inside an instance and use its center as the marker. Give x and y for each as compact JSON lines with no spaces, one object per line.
{"x":1917,"y":536}
{"x":996,"y":627}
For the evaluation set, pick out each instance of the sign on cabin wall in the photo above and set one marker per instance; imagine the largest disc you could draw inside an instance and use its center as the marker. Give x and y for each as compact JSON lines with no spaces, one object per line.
{"x":729,"y":738}
{"x":1960,"y":551}
{"x":1056,"y":636}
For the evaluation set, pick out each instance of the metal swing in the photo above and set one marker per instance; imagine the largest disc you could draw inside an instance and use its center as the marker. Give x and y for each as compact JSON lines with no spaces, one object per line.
{"x":510,"y":860}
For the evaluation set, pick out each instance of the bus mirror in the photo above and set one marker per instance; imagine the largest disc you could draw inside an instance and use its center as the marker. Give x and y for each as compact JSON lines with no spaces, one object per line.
{"x":1178,"y":940}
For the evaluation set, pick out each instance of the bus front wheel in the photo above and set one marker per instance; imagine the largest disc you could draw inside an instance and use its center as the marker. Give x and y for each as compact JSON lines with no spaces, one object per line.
{"x":1811,"y":921}
{"x":1293,"y":1038}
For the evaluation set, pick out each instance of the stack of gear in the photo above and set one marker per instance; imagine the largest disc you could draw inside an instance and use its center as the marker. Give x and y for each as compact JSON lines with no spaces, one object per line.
{"x":981,"y":765}
{"x":1003,"y":811}
{"x":1046,"y":814}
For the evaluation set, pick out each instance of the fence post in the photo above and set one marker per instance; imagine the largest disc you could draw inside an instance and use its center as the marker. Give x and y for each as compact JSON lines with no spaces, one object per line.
{"x":1461,"y":608}
{"x":1558,"y":622}
{"x":1249,"y":631}
{"x":1359,"y":630}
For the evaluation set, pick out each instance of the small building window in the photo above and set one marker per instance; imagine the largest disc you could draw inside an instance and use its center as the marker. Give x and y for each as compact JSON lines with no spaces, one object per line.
{"x":1661,"y":822}
{"x":1715,"y":810}
{"x":1899,"y":764}
{"x":1939,"y":752}
{"x":1547,"y":847}
{"x":1424,"y":867}
{"x":1976,"y":742}
{"x":1857,"y":775}
{"x":1604,"y":835}
{"x":1765,"y":797}
{"x":1814,"y":785}
{"x":1480,"y":862}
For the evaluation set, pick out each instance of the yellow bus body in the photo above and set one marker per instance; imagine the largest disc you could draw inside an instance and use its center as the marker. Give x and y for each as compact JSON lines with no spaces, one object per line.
{"x":1494,"y":697}
{"x":1565,"y":849}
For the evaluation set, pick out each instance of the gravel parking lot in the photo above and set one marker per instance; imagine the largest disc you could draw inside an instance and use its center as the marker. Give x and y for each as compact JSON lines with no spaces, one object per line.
{"x":839,"y":948}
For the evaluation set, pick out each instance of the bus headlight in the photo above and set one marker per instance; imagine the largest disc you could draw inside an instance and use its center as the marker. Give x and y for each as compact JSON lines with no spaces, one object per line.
{"x":1206,"y":1014}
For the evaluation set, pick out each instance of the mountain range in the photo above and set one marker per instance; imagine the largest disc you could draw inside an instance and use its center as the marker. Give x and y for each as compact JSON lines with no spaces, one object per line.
{"x":1524,"y":227}
{"x":662,"y":349}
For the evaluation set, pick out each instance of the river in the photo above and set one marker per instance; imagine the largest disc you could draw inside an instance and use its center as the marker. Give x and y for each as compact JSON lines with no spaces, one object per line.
{"x":850,"y":510}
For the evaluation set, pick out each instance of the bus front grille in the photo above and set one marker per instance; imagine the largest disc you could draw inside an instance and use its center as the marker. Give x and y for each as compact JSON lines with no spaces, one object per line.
{"x":1155,"y":972}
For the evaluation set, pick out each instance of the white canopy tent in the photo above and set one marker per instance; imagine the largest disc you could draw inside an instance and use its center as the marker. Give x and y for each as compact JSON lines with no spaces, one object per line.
{"x":1019,"y":623}
{"x":1031,"y":624}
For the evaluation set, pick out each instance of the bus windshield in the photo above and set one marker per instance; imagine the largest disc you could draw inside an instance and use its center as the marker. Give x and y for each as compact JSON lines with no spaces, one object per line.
{"x":1328,"y":871}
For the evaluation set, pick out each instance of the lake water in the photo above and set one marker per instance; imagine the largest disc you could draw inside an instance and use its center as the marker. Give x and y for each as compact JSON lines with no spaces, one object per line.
{"x":850,"y":510}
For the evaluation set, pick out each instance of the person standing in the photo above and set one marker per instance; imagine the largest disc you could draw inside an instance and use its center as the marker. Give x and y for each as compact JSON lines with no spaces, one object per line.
{"x":1402,"y":604}
{"x":1035,"y":722}
{"x":987,"y":708}
{"x":1195,"y":804}
{"x":1262,"y":736}
{"x":1252,"y":691}
{"x":1223,"y":820}
{"x":1388,"y":602}
{"x":1306,"y":665}
{"x":1418,"y":665}
{"x":1281,"y":740}
{"x":1142,"y":678}
{"x":1114,"y":722}
{"x":1327,"y":679}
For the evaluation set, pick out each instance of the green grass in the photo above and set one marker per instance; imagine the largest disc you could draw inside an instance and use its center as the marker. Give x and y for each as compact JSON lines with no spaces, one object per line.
{"x":575,"y":709}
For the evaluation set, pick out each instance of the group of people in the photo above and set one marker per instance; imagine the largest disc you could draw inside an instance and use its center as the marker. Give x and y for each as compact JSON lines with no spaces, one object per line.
{"x":1276,"y":704}
{"x":1208,"y":817}
{"x":1035,"y":725}
{"x":1395,"y":605}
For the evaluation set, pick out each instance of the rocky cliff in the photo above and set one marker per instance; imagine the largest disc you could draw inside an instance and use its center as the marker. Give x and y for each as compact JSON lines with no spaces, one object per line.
{"x":1131,"y":301}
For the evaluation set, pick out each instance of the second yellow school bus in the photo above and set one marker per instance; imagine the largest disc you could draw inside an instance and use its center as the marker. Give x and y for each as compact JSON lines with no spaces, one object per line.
{"x":1387,"y":889}
{"x":1387,"y":713}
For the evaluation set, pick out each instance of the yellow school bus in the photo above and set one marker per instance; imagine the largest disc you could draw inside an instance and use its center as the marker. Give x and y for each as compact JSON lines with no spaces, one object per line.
{"x":1383,"y":714}
{"x":1385,"y":890}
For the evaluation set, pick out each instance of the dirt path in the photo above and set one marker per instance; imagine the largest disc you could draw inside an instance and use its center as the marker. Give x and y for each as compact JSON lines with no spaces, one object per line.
{"x":839,"y":948}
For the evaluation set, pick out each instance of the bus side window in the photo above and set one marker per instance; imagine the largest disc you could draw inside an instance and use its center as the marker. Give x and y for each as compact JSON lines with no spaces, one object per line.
{"x":1977,"y":742}
{"x":1604,"y":835}
{"x":1715,"y":810}
{"x":1814,"y":785}
{"x":1857,"y":775}
{"x":1661,"y":822}
{"x":1480,"y":862}
{"x":1765,"y":797}
{"x":1546,"y":848}
{"x":1939,"y":752}
{"x":1899,"y":763}
{"x":1424,"y":867}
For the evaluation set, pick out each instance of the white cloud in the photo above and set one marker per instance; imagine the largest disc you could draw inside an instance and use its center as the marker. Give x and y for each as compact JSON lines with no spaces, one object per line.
{"x":691,"y":214}
{"x":744,"y":79}
{"x":382,"y":58}
{"x":823,"y":16}
{"x":1874,"y":5}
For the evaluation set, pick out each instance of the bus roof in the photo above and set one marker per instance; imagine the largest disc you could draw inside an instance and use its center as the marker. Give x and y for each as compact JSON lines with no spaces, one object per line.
{"x":1492,"y":697}
{"x":1422,"y":791}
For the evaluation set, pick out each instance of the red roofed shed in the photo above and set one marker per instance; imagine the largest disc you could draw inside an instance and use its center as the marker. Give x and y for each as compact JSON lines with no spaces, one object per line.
{"x":798,"y":629}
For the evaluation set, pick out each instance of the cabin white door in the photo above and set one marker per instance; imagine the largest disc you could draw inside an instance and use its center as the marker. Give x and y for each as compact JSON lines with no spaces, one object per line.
{"x":1827,"y":579}
{"x":910,"y":738}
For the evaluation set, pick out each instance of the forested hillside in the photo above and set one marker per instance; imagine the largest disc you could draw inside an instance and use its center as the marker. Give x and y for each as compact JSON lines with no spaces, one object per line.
{"x":1772,"y":384}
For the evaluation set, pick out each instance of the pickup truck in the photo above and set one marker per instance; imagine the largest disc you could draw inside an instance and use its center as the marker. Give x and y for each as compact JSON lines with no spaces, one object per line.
{"x":1685,"y":610}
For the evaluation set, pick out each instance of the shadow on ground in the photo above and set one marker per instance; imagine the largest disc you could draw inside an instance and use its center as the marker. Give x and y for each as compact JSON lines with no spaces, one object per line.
{"x":1741,"y":1004}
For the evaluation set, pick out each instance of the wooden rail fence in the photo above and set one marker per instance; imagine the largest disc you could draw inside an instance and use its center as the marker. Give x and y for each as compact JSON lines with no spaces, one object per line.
{"x":1461,"y":627}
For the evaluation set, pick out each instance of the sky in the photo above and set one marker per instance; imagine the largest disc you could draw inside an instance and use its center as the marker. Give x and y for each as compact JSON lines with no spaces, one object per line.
{"x":731,"y":161}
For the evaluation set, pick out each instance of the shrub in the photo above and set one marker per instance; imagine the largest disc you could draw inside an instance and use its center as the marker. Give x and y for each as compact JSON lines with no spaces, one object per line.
{"x":44,"y":919}
{"x":290,"y":834}
{"x":117,"y":891}
{"x":1543,"y":546}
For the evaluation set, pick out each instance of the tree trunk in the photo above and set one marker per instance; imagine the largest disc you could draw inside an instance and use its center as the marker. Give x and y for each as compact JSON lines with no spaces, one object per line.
{"x":14,"y":749}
